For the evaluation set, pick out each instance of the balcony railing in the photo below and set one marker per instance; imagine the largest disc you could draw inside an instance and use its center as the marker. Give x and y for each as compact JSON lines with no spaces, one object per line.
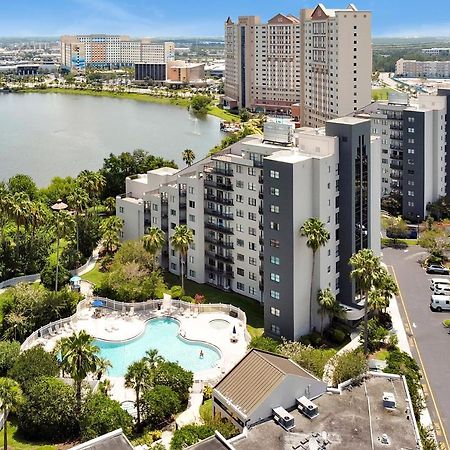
{"x":396,"y":127}
{"x":219,"y":242}
{"x":220,"y":228}
{"x":396,"y":147}
{"x":220,"y":256}
{"x":396,"y":166}
{"x":219,"y":185}
{"x":261,"y":195}
{"x":222,"y":171}
{"x":219,"y":199}
{"x":218,"y":213}
{"x":223,"y":271}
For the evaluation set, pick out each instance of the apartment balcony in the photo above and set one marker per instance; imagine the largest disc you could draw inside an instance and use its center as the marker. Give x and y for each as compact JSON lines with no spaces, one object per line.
{"x":396,"y":166}
{"x":222,"y":171}
{"x":258,"y":163}
{"x":261,"y":240}
{"x":218,"y":213}
{"x":219,"y":185}
{"x":227,"y":271}
{"x":219,"y":242}
{"x":398,"y":157}
{"x":261,"y":256}
{"x":261,"y":210}
{"x":261,"y":195}
{"x":397,"y":176}
{"x":260,"y":179}
{"x":261,"y":225}
{"x":396,"y":186}
{"x":396,"y":127}
{"x":219,"y":199}
{"x":219,"y":228}
{"x":220,"y":256}
{"x":183,"y":193}
{"x":396,"y":136}
{"x":396,"y":146}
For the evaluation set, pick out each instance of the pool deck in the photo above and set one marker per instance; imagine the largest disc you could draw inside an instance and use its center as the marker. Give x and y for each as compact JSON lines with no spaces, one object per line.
{"x":116,"y":326}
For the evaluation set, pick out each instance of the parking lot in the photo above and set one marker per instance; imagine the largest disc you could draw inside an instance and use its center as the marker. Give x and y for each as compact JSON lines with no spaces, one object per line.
{"x":428,"y":339}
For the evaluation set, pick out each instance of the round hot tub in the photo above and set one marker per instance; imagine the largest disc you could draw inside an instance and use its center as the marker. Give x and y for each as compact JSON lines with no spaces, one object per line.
{"x":219,"y":324}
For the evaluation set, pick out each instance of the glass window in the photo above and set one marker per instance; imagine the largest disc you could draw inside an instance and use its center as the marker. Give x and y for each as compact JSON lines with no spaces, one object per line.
{"x":275,"y":277}
{"x":275,"y":260}
{"x":274,"y":191}
{"x":274,"y":174}
{"x":275,"y":295}
{"x":275,"y":243}
{"x":274,"y":209}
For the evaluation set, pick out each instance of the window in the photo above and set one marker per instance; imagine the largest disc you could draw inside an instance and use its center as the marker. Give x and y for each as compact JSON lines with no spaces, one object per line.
{"x":252,"y":171}
{"x":252,"y":201}
{"x":240,"y":272}
{"x":411,"y":193}
{"x":191,"y":204}
{"x":411,"y":151}
{"x":275,"y":295}
{"x":155,"y":207}
{"x":251,"y":290}
{"x":274,"y":174}
{"x":275,"y":260}
{"x":410,"y":130}
{"x":240,"y":286}
{"x":173,"y":266}
{"x":252,"y":216}
{"x":252,"y":276}
{"x":275,"y":329}
{"x":275,"y":243}
{"x":251,"y":187}
{"x":252,"y":231}
{"x":240,"y":257}
{"x":239,"y":198}
{"x":191,"y":218}
{"x":191,"y":190}
{"x":191,"y":259}
{"x":275,"y":277}
{"x":252,"y":261}
{"x":410,"y":140}
{"x":239,"y":242}
{"x":239,"y":213}
{"x":238,"y":169}
{"x":411,"y":119}
{"x":121,"y":209}
{"x":239,"y":184}
{"x":274,"y":226}
{"x":173,"y":225}
{"x":411,"y":204}
{"x":239,"y":227}
{"x":173,"y":212}
{"x":274,"y":209}
{"x":252,"y":246}
{"x":274,"y":191}
{"x":275,"y":311}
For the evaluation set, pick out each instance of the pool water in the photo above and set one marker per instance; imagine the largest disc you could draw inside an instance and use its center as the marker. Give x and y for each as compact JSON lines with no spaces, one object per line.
{"x":161,"y":334}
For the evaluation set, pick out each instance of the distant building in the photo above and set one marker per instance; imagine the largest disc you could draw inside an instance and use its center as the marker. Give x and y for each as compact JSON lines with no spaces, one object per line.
{"x":415,"y":159}
{"x":321,"y":60}
{"x":436,"y":51}
{"x":422,"y":69}
{"x":112,"y":51}
{"x":184,"y":72}
{"x":150,"y":71}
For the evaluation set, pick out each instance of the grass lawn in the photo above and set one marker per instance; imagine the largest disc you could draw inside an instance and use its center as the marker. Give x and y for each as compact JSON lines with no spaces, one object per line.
{"x":381,"y":93}
{"x":206,"y":410}
{"x":381,"y":354}
{"x":253,"y":310}
{"x":16,"y":442}
{"x":223,"y":114}
{"x":94,"y":276}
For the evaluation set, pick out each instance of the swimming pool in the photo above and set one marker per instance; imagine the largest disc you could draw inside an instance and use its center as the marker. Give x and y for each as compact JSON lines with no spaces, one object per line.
{"x":161,"y":334}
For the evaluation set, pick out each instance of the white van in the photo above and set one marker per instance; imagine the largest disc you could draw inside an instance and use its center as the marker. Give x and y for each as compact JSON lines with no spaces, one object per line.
{"x":440,"y":303}
{"x":441,"y":289}
{"x":436,"y":281}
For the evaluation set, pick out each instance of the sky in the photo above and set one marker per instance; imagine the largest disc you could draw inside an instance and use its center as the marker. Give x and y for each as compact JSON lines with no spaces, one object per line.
{"x":157,"y":18}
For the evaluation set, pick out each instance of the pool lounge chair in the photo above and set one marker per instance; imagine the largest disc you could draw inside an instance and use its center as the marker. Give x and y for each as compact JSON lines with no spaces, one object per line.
{"x":58,"y":329}
{"x":51,"y":332}
{"x":131,"y":311}
{"x":195,"y":313}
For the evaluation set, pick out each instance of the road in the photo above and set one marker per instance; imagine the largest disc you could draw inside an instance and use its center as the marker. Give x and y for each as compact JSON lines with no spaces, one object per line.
{"x":428,"y":339}
{"x":388,"y":81}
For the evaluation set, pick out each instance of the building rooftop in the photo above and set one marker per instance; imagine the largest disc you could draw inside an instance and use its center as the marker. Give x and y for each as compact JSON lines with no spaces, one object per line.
{"x":348,"y":421}
{"x":255,"y":377}
{"x":162,"y":171}
{"x":348,"y":120}
{"x":115,"y":440}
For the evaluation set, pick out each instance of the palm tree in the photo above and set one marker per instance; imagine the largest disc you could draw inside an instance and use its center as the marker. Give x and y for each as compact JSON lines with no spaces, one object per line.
{"x":10,"y":398}
{"x":79,"y":358}
{"x":327,"y":305}
{"x":19,"y":208}
{"x":376,"y":301}
{"x":152,"y":358}
{"x":78,"y":201}
{"x":153,"y":241}
{"x":110,"y":204}
{"x":110,"y":229}
{"x":5,"y":206}
{"x":188,"y":156}
{"x":102,"y":367}
{"x":63,"y":226}
{"x":366,"y":271}
{"x":387,"y":286}
{"x":317,"y":236}
{"x":180,"y":241}
{"x":138,"y":377}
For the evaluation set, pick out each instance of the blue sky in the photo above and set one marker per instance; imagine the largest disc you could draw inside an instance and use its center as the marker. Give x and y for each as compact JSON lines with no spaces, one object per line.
{"x":201,"y":17}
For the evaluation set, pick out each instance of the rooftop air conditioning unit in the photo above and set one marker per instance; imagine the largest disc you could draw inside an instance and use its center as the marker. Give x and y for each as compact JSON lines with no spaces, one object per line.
{"x":307,"y":407}
{"x":389,"y":400}
{"x":282,"y":417}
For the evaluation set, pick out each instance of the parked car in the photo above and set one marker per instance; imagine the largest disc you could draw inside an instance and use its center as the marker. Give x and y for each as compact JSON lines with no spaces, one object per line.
{"x":436,"y":268}
{"x":441,"y":289}
{"x":437,"y":281}
{"x":440,"y":303}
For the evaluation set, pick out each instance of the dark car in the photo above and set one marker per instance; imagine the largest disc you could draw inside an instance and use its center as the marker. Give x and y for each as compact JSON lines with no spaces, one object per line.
{"x":435,"y":268}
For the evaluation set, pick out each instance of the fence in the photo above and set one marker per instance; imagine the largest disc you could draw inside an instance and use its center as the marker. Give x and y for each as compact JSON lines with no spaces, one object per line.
{"x":17,"y":280}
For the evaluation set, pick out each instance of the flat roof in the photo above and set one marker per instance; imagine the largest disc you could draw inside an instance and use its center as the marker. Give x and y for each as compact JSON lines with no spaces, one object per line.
{"x":349,"y":120}
{"x":211,"y":443}
{"x":164,"y":171}
{"x":344,"y":421}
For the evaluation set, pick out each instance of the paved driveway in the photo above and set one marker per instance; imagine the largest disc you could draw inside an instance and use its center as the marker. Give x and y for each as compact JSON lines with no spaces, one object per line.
{"x":429,"y":341}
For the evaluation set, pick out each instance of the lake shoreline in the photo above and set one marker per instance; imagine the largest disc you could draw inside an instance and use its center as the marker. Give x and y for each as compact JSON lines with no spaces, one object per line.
{"x":181,"y":102}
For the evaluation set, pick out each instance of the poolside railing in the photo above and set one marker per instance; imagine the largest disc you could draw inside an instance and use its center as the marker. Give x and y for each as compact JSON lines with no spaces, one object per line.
{"x":150,"y":305}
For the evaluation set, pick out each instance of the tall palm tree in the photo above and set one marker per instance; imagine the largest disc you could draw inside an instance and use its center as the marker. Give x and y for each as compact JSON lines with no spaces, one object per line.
{"x":366,"y":271}
{"x":180,"y":241}
{"x":79,"y":358}
{"x":110,"y":204}
{"x":63,"y":226}
{"x":39,"y":213}
{"x":78,"y":201}
{"x":153,"y":242}
{"x":138,"y":377}
{"x":387,"y":286}
{"x":327,"y":305}
{"x":5,"y":206}
{"x":317,"y":236}
{"x":110,"y":229}
{"x":188,"y":156}
{"x":102,"y":367}
{"x":10,"y":398}
{"x":19,"y":209}
{"x":376,"y":301}
{"x":152,"y":358}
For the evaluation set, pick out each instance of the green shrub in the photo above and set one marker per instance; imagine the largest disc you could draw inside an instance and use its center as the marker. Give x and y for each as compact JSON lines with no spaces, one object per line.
{"x":9,"y":352}
{"x":187,"y":298}
{"x":176,"y":291}
{"x":159,"y":404}
{"x":348,"y":365}
{"x":338,"y":336}
{"x":49,"y":411}
{"x":377,"y":335}
{"x":172,"y":375}
{"x":265,"y":343}
{"x":101,"y":415}
{"x":48,"y":276}
{"x":190,"y":435}
{"x":207,"y":392}
{"x":446,"y":323}
{"x":33,"y":364}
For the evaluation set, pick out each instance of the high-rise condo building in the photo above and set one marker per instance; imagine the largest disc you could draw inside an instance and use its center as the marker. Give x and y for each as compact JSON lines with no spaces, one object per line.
{"x":414,"y":155}
{"x":112,"y":51}
{"x":246,"y":205}
{"x":321,"y":60}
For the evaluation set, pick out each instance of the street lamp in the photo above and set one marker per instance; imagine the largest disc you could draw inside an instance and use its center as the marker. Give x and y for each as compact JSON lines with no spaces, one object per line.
{"x":58,"y":207}
{"x":418,"y":223}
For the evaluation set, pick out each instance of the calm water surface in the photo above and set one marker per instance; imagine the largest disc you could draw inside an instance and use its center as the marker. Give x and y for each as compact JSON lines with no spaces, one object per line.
{"x":45,"y":135}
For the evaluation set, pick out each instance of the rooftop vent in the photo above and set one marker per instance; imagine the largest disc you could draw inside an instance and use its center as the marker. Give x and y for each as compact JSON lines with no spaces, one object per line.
{"x":283,"y":418}
{"x":384,"y":439}
{"x":307,"y":407}
{"x":389,"y":400}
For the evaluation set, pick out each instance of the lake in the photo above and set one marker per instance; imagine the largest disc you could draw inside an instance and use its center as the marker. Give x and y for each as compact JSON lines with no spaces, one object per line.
{"x":45,"y":135}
